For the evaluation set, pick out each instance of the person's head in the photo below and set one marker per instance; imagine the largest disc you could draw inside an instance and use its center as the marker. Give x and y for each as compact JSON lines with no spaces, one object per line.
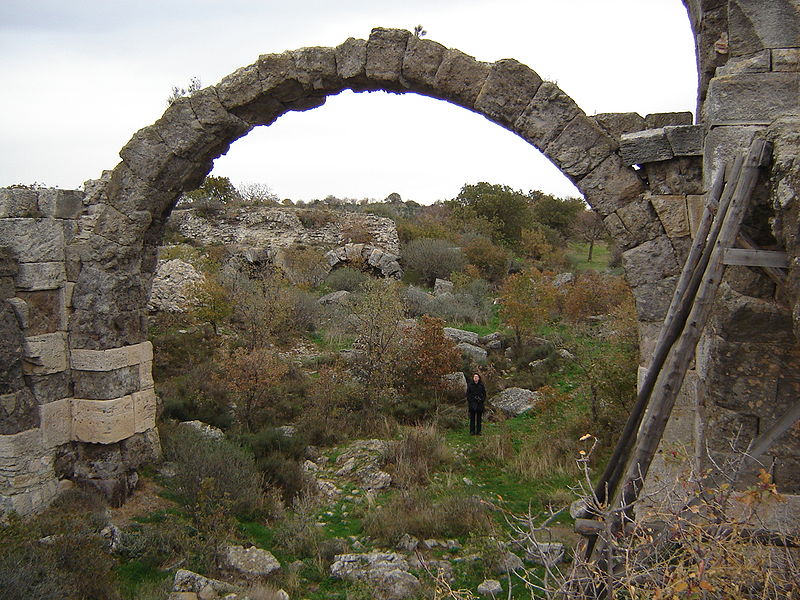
{"x":476,"y":377}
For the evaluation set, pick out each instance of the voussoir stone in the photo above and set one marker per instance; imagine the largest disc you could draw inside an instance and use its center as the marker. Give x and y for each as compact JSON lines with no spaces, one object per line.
{"x":641,"y":147}
{"x":385,"y":51}
{"x":546,"y":115}
{"x":421,"y":62}
{"x":509,"y":88}
{"x":650,"y":262}
{"x":460,"y":78}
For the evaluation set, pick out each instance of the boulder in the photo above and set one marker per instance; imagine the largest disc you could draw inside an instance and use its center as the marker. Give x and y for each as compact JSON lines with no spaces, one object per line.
{"x":508,"y":562}
{"x":492,"y":341}
{"x":475,"y":353}
{"x":188,"y":581}
{"x":563,"y":279}
{"x":172,"y":283}
{"x":385,"y":572}
{"x":204,"y":429}
{"x":547,"y":554}
{"x":461,"y":336}
{"x":339,"y":297}
{"x":455,"y":383}
{"x":490,"y":587}
{"x":515,"y":401}
{"x":442,"y":286}
{"x":249,"y":563}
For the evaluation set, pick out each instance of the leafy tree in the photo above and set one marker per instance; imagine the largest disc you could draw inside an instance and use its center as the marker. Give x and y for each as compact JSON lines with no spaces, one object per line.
{"x":212,"y":302}
{"x":555,"y":213}
{"x":252,"y":377}
{"x":527,"y":301}
{"x":589,"y":227}
{"x":491,"y":260}
{"x":214,"y":193}
{"x":429,"y":355}
{"x":432,"y":258}
{"x":505,"y":208}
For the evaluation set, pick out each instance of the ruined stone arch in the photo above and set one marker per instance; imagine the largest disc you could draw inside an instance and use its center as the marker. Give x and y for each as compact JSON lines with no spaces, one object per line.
{"x":377,"y":260}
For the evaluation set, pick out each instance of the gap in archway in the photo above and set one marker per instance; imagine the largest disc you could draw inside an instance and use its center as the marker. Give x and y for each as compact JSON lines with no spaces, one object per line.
{"x":369,"y":145}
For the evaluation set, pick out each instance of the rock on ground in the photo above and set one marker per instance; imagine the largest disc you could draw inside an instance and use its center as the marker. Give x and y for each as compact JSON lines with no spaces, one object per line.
{"x":171,"y":291}
{"x":547,"y":554}
{"x":204,"y":429}
{"x":442,"y":286}
{"x":490,"y":587}
{"x":515,"y":401}
{"x":188,"y":581}
{"x":339,"y":297}
{"x":385,"y":572}
{"x":474,"y":353}
{"x":455,"y":383}
{"x":460,"y":335}
{"x":249,"y":562}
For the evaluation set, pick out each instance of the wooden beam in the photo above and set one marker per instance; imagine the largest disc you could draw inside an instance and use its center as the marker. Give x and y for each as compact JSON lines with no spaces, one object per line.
{"x":755,"y":258}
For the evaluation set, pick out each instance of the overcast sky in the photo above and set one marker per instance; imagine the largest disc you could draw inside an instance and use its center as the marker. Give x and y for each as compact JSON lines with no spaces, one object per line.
{"x":79,"y":77}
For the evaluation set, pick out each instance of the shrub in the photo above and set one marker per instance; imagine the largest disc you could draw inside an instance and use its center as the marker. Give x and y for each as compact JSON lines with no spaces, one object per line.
{"x":278,"y":458}
{"x":315,"y":218}
{"x":432,"y":258}
{"x":460,"y":308}
{"x":231,"y":471}
{"x":428,"y":356}
{"x":594,"y":293}
{"x":415,"y":513}
{"x":416,"y":301}
{"x":414,"y":459}
{"x":491,"y":260}
{"x":346,"y":278}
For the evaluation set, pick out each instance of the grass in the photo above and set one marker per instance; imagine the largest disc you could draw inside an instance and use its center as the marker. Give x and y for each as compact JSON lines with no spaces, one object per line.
{"x":134,"y":576}
{"x":578,"y":253}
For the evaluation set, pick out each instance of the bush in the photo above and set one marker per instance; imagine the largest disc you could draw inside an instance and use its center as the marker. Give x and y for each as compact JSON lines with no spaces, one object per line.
{"x":415,"y":513}
{"x":491,"y":260}
{"x":346,"y":278}
{"x":594,"y":293}
{"x":416,"y":301}
{"x":278,"y":458}
{"x":432,"y":258}
{"x":232,"y":472}
{"x":413,"y":460}
{"x":315,"y":218}
{"x":460,"y":308}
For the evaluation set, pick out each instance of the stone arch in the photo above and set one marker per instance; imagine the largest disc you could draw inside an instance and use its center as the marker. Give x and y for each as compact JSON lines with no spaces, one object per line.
{"x":377,"y":259}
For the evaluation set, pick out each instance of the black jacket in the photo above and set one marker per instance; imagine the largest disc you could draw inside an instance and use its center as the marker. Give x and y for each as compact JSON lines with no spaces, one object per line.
{"x":476,"y":395}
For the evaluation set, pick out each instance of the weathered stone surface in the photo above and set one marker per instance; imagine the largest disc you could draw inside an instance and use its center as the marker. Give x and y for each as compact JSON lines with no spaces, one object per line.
{"x":107,"y":384}
{"x":44,"y":311}
{"x":514,"y":401}
{"x":19,"y":203}
{"x":34,"y":240}
{"x":771,"y":24}
{"x":680,"y":175}
{"x":60,"y":204}
{"x":672,"y":212}
{"x":111,"y":358}
{"x":615,"y":124}
{"x":204,"y":429}
{"x":442,"y":286}
{"x":786,"y":59}
{"x":646,"y":146}
{"x":656,"y":120}
{"x":461,"y":335}
{"x":685,"y":140}
{"x":722,"y":144}
{"x":103,"y":421}
{"x":752,"y":97}
{"x":580,"y":147}
{"x":474,"y":353}
{"x":490,"y":588}
{"x":460,"y":78}
{"x":250,"y":563}
{"x":650,"y":262}
{"x":40,"y":276}
{"x":315,"y":69}
{"x":93,"y":330}
{"x":351,"y":59}
{"x":45,"y":353}
{"x":18,"y":412}
{"x":421,"y":62}
{"x":339,"y":297}
{"x":546,"y":116}
{"x":509,"y":88}
{"x":171,"y":290}
{"x":610,"y":185}
{"x":56,"y":422}
{"x":50,"y":387}
{"x":741,"y":318}
{"x":385,"y":572}
{"x":385,"y":51}
{"x":456,"y":383}
{"x":640,"y":223}
{"x":653,"y":299}
{"x":187,"y":581}
{"x":752,"y":63}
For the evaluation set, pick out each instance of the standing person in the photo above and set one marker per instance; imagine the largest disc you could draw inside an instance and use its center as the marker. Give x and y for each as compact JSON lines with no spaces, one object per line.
{"x":476,"y":396}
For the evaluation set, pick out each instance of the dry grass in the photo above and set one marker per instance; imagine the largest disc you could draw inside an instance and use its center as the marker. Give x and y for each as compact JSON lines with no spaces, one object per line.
{"x":422,"y":451}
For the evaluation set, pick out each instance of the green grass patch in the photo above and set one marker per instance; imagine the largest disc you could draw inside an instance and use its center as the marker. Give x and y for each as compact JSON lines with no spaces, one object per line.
{"x":134,"y":575}
{"x":578,"y":254}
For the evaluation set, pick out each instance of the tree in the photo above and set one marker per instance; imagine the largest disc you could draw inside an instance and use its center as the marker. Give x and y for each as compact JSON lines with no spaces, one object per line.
{"x":212,"y":302}
{"x":555,"y":213}
{"x":252,"y":377}
{"x":506,"y":209}
{"x":429,"y":355}
{"x":491,"y":260}
{"x":527,"y":301}
{"x":589,"y":227}
{"x":214,"y":193}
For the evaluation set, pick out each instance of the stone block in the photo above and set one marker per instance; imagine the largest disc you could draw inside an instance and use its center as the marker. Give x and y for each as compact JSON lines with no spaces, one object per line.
{"x":103,"y":421}
{"x":98,"y":330}
{"x":460,"y":78}
{"x":686,"y":140}
{"x":60,"y":204}
{"x":753,"y":26}
{"x":112,"y":358}
{"x":680,"y":427}
{"x":47,"y":388}
{"x":508,"y":90}
{"x":640,"y":221}
{"x":650,"y":262}
{"x":648,"y":337}
{"x":183,"y":132}
{"x":45,"y":311}
{"x":18,"y":411}
{"x":45,"y":353}
{"x":680,"y":175}
{"x":34,"y":240}
{"x":615,"y":124}
{"x":722,"y":144}
{"x":56,"y":422}
{"x":146,"y":375}
{"x":255,"y":93}
{"x":742,"y":318}
{"x":106,"y":385}
{"x":421,"y":62}
{"x":758,"y":62}
{"x":21,"y":312}
{"x":22,"y":444}
{"x":786,"y":60}
{"x":40,"y":276}
{"x":757,"y":98}
{"x":580,"y":147}
{"x":610,"y":185}
{"x":657,"y":120}
{"x":19,"y":203}
{"x":351,"y":59}
{"x":145,"y":405}
{"x":646,"y":146}
{"x":672,"y":212}
{"x":546,"y":115}
{"x":728,"y":430}
{"x":695,"y":206}
{"x":315,"y":69}
{"x":385,"y":51}
{"x":653,"y":299}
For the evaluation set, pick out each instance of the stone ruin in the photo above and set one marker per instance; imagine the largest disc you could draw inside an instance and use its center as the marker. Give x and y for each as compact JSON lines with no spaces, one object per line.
{"x":76,"y":391}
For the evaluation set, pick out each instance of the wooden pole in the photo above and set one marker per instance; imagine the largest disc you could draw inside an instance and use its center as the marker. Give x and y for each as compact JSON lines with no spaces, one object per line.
{"x":669,"y":382}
